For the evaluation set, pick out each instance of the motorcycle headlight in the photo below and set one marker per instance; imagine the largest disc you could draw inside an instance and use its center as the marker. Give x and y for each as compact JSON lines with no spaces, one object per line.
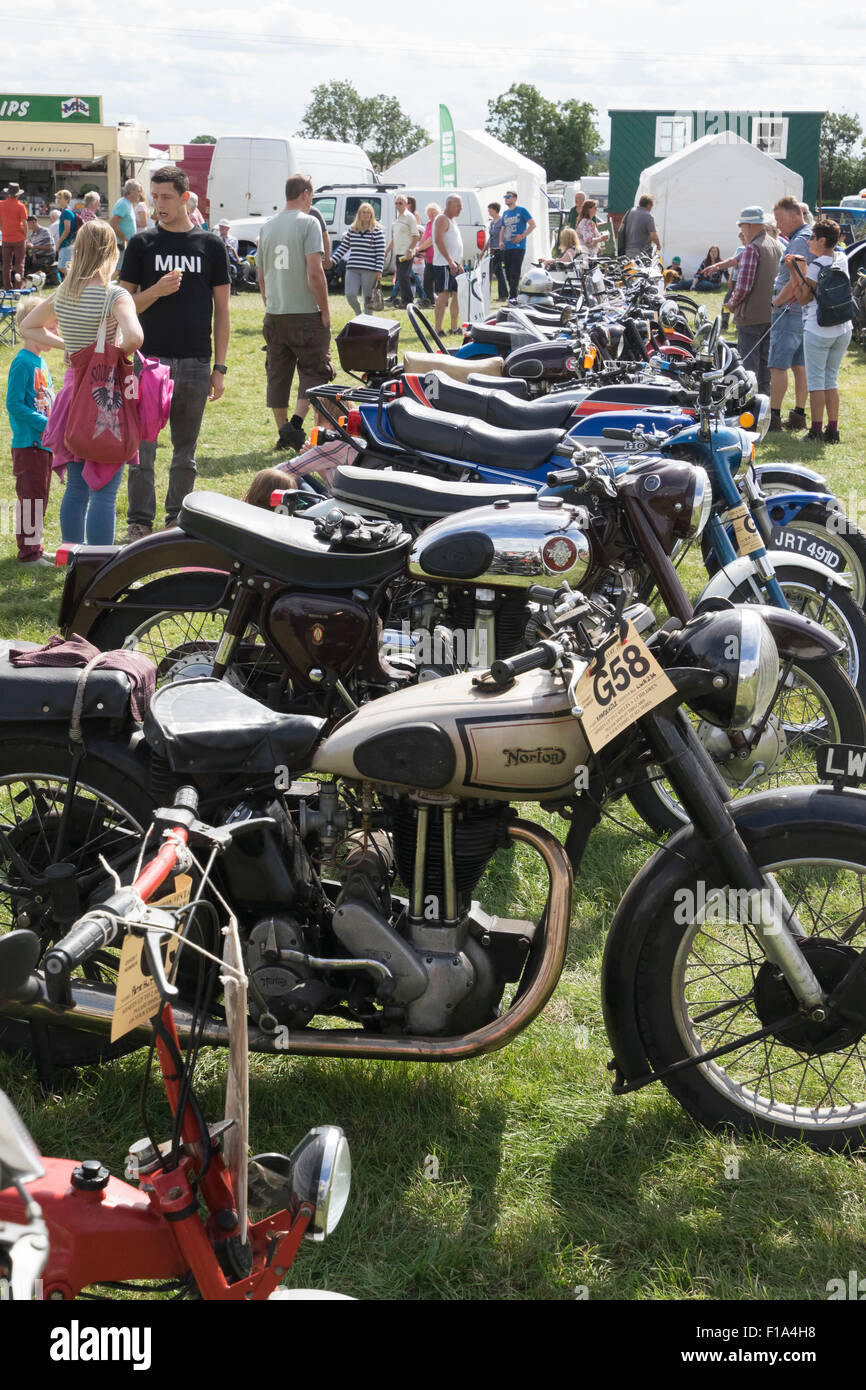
{"x":321,"y":1174}
{"x":702,"y":504}
{"x":756,"y":417}
{"x":736,"y":647}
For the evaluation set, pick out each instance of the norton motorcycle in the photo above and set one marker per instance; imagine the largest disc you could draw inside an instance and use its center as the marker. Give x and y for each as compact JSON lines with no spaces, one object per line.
{"x":734,"y":967}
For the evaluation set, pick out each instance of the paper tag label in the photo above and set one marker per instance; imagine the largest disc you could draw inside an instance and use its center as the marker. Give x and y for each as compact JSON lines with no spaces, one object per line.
{"x":746,"y":534}
{"x":138,"y":998}
{"x":615,"y":692}
{"x":181,"y":895}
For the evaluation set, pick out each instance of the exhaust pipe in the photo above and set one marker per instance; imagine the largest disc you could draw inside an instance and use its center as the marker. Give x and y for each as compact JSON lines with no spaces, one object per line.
{"x":93,"y":1004}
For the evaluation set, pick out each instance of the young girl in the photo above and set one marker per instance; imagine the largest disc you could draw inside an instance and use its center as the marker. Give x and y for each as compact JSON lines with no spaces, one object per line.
{"x":88,"y":507}
{"x":29,"y":394}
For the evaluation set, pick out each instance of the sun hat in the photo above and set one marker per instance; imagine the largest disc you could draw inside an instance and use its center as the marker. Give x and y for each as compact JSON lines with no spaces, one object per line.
{"x":753,"y":216}
{"x":224,"y":222}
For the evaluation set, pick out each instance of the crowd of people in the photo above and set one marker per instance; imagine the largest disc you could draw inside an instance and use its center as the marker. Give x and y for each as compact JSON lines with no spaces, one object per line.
{"x":171,"y":299}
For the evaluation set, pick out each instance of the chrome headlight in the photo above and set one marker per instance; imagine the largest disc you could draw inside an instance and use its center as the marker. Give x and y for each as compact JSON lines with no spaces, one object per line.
{"x":702,"y":504}
{"x":758,"y":673}
{"x":321,"y":1174}
{"x":736,"y":649}
{"x":762,"y":423}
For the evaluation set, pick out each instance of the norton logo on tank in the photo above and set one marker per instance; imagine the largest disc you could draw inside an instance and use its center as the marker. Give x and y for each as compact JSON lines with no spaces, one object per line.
{"x":514,"y":757}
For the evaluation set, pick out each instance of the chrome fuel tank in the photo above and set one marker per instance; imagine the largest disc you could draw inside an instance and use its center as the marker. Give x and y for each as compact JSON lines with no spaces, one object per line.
{"x":452,"y":737}
{"x":507,"y":545}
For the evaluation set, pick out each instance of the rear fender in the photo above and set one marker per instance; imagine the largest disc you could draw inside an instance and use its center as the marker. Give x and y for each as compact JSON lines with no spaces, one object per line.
{"x":731,"y":576}
{"x":85,"y":599}
{"x":676,"y":865}
{"x":808,"y":479}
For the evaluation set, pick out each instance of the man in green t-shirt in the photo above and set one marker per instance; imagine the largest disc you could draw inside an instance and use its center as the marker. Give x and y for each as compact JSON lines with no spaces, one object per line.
{"x":297,"y":323}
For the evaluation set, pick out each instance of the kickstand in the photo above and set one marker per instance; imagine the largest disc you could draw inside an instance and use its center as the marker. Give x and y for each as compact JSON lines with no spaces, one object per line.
{"x":41,"y":1051}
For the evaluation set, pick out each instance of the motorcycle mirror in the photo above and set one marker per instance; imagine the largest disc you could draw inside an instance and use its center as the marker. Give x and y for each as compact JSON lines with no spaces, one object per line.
{"x":715,"y":333}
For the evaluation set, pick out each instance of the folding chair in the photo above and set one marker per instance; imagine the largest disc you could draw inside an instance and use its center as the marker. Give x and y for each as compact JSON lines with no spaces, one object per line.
{"x":9,"y":301}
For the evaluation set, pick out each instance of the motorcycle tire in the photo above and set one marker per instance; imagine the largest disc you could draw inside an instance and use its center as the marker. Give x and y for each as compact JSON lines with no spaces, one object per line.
{"x":654,"y":800}
{"x":825,"y":520}
{"x":43,"y":766}
{"x":686,"y":969}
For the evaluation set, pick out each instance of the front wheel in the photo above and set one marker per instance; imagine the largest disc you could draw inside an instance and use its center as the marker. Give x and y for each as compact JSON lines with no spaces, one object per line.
{"x":823,"y":532}
{"x":815,"y":704}
{"x":702,"y":982}
{"x":832,"y":606}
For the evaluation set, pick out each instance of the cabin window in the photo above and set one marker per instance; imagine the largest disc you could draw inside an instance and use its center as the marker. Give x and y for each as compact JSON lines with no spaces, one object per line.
{"x":672,"y":133}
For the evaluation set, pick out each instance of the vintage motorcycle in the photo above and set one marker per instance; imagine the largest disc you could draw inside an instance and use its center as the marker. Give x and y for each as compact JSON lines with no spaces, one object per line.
{"x":744,"y":934}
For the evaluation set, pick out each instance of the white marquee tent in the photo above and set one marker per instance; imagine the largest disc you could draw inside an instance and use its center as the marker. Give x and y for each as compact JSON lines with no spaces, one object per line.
{"x":487,"y":165}
{"x":700,"y":190}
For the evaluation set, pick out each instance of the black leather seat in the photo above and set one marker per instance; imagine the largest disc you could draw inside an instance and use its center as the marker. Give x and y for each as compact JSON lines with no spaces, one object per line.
{"x":35,"y":693}
{"x":648,"y":395}
{"x":285,"y":546}
{"x":411,"y":494}
{"x":546,"y":412}
{"x":510,"y":385}
{"x":207,"y":726}
{"x":505,"y":337}
{"x":470,"y":441}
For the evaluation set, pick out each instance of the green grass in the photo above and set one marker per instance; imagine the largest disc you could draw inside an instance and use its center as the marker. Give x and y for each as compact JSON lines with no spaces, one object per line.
{"x":547,"y":1182}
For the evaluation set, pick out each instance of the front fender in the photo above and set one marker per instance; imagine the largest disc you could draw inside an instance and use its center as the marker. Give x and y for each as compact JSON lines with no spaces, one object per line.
{"x":686,"y":855}
{"x":86,"y":596}
{"x":797,"y":637}
{"x":807,"y":478}
{"x":730,"y":577}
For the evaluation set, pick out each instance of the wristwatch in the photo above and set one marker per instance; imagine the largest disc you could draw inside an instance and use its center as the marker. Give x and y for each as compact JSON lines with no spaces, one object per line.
{"x":220,"y":367}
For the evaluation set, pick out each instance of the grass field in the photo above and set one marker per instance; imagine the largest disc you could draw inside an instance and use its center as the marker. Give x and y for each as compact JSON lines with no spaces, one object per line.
{"x":547,"y":1184}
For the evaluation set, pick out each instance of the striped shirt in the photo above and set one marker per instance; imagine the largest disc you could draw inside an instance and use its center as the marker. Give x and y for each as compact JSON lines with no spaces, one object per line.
{"x":362,"y":250}
{"x":78,"y":319}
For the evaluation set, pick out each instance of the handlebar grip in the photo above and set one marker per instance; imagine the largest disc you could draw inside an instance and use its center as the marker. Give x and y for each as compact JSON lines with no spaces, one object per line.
{"x":95,"y":929}
{"x":537,"y":658}
{"x":614,"y":432}
{"x":577,"y":476}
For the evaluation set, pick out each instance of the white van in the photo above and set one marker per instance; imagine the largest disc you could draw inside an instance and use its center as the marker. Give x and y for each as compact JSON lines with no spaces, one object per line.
{"x":248,"y":175}
{"x":339,"y":205}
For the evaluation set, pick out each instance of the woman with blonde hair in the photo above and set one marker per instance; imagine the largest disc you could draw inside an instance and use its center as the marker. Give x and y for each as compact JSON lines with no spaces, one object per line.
{"x":568,"y":249}
{"x":77,"y":310}
{"x":363,"y":250}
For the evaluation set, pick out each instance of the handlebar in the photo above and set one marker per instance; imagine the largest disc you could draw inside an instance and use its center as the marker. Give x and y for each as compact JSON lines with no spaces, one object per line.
{"x":542,"y":657}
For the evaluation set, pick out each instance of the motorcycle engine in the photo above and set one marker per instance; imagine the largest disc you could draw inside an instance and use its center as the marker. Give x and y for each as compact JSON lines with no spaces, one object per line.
{"x":292,"y":993}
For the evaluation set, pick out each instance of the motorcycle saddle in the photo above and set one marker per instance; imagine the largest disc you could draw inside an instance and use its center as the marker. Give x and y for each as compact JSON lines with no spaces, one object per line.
{"x":458,"y":367}
{"x":37,"y":693}
{"x":510,"y":385}
{"x":504,"y":337}
{"x":470,"y":441}
{"x":207,"y":725}
{"x":411,"y":494}
{"x":285,"y":546}
{"x":497,"y":408}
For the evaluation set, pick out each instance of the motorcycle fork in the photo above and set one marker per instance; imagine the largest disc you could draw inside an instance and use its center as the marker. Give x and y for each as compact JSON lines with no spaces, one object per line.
{"x":695,"y":779}
{"x":235,"y":626}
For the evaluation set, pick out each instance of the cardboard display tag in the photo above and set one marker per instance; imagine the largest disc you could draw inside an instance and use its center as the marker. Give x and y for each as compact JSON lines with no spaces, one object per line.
{"x":181,"y":895}
{"x":137,"y":998}
{"x":615,"y":692}
{"x":746,"y":534}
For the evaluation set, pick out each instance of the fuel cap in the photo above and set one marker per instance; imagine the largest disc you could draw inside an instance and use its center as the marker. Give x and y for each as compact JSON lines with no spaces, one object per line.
{"x":90,"y":1176}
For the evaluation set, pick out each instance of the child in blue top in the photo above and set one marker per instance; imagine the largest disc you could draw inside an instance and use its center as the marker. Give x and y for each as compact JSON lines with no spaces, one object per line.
{"x":29,"y":394}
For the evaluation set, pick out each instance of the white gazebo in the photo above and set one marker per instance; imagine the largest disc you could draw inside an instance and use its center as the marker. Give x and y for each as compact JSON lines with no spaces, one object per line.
{"x":489,"y":166}
{"x":700,"y":190}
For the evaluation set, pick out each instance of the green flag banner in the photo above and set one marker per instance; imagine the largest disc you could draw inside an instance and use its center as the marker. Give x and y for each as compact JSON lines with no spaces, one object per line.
{"x":447,"y":150}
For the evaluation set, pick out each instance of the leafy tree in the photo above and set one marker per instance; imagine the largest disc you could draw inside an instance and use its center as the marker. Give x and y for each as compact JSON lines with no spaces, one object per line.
{"x":843,"y":166}
{"x":203,"y":140}
{"x":560,"y":138}
{"x":378,"y":124}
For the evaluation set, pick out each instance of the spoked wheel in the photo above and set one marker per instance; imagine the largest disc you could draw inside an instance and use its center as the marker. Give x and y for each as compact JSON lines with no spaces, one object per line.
{"x":183,"y":645}
{"x":824,"y":533}
{"x":814,"y":705}
{"x":703,"y":982}
{"x":45,"y":824}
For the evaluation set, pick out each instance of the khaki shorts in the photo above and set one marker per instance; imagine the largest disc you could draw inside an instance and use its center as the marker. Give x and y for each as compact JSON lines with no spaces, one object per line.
{"x":295,"y":340}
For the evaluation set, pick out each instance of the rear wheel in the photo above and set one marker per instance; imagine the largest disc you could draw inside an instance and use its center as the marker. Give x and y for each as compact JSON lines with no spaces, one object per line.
{"x":183,"y":645}
{"x":44,"y":821}
{"x":704,"y":982}
{"x":829,"y":537}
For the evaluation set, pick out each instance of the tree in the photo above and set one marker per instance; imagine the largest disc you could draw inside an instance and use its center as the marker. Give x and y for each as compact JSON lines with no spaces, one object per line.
{"x":559,"y":138}
{"x":203,"y":140}
{"x":378,"y":124}
{"x":843,"y":168}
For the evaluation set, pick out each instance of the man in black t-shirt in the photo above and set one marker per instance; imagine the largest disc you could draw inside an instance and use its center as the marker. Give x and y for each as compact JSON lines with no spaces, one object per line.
{"x":179,"y":278}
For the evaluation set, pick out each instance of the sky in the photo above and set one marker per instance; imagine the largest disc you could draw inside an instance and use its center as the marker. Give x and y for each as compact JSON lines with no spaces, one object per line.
{"x":229,"y":71}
